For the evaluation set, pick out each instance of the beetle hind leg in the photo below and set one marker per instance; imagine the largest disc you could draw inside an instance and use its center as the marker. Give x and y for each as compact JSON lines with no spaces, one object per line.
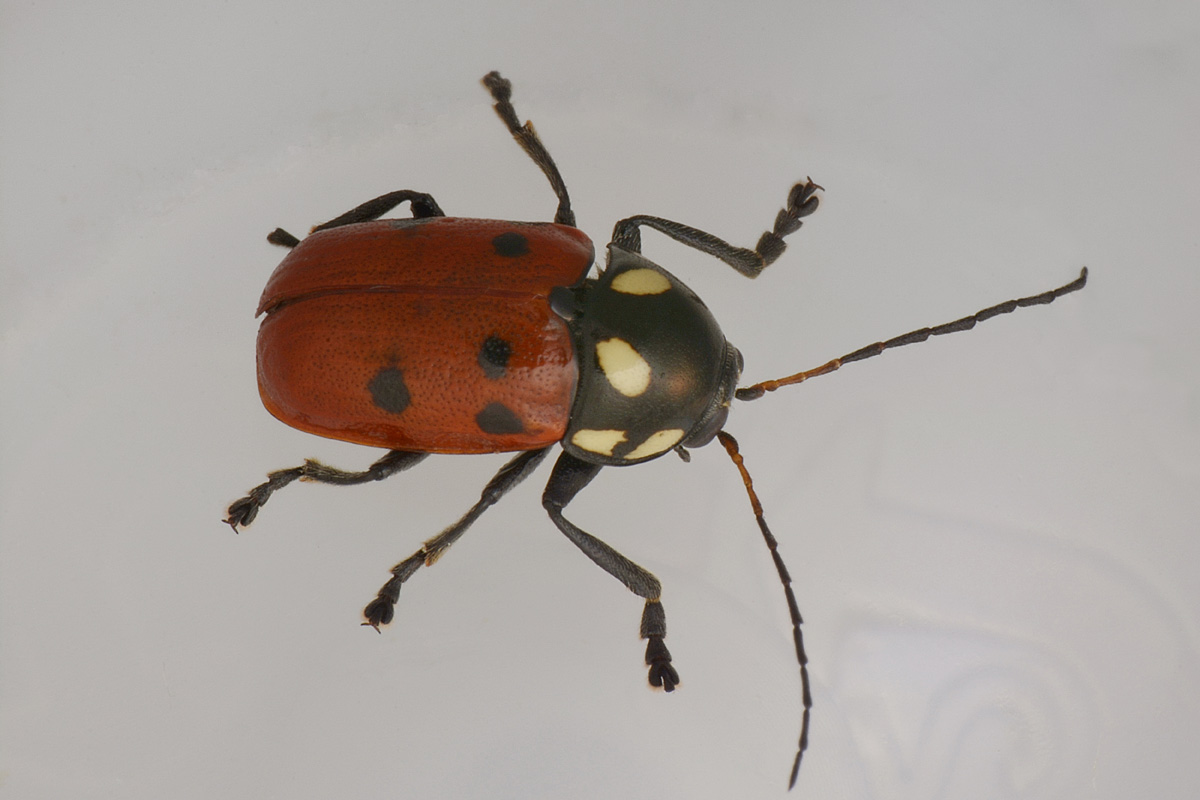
{"x":242,"y":512}
{"x":570,"y":475}
{"x":381,"y":610}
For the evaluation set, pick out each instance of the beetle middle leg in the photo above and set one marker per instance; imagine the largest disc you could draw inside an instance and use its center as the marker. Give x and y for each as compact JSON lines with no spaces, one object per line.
{"x":381,"y":610}
{"x":570,"y":475}
{"x":242,"y":512}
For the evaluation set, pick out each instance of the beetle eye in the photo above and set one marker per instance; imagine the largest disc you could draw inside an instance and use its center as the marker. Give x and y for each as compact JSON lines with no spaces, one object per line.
{"x":713,"y":419}
{"x":703,"y":433}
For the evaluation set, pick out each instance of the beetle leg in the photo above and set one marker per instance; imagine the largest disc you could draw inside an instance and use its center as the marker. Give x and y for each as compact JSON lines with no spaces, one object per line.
{"x":242,"y":512}
{"x":802,"y":201}
{"x":421,"y":204}
{"x":570,"y":475}
{"x":381,"y":610}
{"x":526,"y":136}
{"x":282,"y":238}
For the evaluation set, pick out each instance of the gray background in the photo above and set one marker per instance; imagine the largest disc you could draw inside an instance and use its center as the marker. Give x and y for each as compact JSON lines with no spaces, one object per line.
{"x":991,"y":535}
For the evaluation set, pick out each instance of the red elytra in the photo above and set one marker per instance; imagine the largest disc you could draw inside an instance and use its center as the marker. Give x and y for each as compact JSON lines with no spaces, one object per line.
{"x":362,"y":319}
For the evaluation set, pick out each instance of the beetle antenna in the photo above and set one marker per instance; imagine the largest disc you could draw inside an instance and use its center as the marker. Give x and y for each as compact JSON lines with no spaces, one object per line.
{"x":731,"y":447}
{"x":912,"y":337}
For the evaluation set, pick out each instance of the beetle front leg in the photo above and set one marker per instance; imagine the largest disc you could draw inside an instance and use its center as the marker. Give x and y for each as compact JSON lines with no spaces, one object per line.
{"x":242,"y":512}
{"x":381,"y":610}
{"x":570,"y":475}
{"x":802,"y":201}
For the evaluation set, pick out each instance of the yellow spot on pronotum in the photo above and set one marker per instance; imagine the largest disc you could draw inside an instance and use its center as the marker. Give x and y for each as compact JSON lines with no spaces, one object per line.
{"x":641,"y":281}
{"x":601,"y":442}
{"x":627,"y":371}
{"x":656,"y":443}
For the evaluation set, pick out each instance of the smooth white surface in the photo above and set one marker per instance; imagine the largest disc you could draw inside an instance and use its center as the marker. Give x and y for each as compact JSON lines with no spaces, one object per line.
{"x":992,"y":535}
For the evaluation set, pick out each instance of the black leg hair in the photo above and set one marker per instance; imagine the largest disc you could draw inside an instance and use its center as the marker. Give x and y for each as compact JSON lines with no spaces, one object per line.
{"x":570,"y":475}
{"x":381,"y":610}
{"x":802,"y":201}
{"x":242,"y":512}
{"x":912,"y":337}
{"x":731,"y":447}
{"x":421,"y":204}
{"x":526,"y":136}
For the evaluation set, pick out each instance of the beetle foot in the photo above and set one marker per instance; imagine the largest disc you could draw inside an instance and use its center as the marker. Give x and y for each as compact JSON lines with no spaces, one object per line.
{"x":282,"y":238}
{"x":801,"y":200}
{"x":382,"y":609}
{"x":658,"y":658}
{"x":500,"y":87}
{"x":242,"y":512}
{"x":379,"y":611}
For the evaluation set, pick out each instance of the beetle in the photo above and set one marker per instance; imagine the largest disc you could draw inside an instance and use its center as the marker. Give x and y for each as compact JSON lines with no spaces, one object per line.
{"x":435,"y":334}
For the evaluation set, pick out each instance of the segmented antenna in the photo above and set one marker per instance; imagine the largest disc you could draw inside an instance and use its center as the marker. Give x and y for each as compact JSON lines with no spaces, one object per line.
{"x":759,"y":389}
{"x":912,"y":337}
{"x":731,"y":447}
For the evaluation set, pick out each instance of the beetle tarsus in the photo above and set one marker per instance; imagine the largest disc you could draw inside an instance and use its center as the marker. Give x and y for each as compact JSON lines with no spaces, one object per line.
{"x":658,"y":658}
{"x":282,"y":238}
{"x":242,"y":512}
{"x":382,"y":610}
{"x":379,"y":611}
{"x":802,"y":201}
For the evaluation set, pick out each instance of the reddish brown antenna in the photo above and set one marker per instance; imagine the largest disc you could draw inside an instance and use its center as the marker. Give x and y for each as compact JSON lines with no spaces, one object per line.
{"x":912,"y":337}
{"x":731,"y":447}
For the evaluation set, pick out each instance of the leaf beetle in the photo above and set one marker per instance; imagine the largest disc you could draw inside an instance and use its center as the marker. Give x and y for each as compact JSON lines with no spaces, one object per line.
{"x":436,"y":334}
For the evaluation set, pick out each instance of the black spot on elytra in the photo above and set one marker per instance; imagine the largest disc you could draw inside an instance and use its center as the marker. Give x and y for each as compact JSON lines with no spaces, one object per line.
{"x":497,"y":418}
{"x":493,"y":357}
{"x":388,"y":390}
{"x":510,"y":245}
